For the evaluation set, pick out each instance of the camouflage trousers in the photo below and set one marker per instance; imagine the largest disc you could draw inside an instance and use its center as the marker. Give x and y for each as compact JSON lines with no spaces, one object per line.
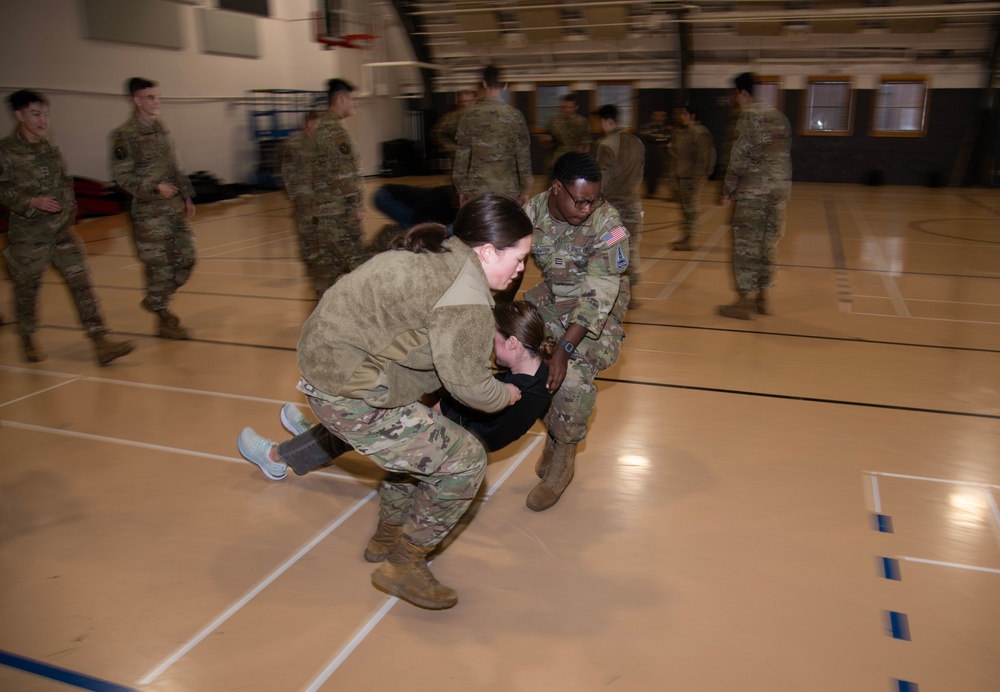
{"x":29,"y":255}
{"x":165,"y":244}
{"x":574,"y":401}
{"x":758,"y":224}
{"x":434,"y":466}
{"x":338,"y":248}
{"x":632,"y":220}
{"x":690,"y":190}
{"x":306,"y":226}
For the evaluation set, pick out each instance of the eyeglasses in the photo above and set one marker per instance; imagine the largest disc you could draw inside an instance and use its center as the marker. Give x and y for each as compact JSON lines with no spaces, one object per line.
{"x":582,"y":204}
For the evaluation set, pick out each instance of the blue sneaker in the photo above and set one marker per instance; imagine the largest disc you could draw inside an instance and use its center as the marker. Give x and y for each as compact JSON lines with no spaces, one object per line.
{"x":293,"y":420}
{"x":257,"y":450}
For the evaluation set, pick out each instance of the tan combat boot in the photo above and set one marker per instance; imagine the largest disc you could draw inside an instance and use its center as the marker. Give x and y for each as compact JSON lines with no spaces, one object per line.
{"x":763,"y":305}
{"x":557,"y":477}
{"x":743,"y":308}
{"x":383,"y":542}
{"x":32,"y":353}
{"x":405,"y":574}
{"x":682,"y":244}
{"x":170,"y":326}
{"x":542,"y":465}
{"x":108,"y":350}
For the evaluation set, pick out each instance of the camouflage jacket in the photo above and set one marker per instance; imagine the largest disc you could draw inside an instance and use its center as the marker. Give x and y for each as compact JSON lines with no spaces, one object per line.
{"x":694,"y":150}
{"x":337,"y":182}
{"x":34,"y":170}
{"x":143,"y":157}
{"x":400,"y":326}
{"x":583,"y":267}
{"x":296,"y":166}
{"x":571,"y":133}
{"x":492,"y":151}
{"x":621,"y":158}
{"x":760,"y":163}
{"x":445,"y":130}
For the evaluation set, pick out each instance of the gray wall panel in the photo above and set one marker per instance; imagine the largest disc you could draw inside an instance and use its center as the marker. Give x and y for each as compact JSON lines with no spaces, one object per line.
{"x":146,"y":22}
{"x":228,"y":33}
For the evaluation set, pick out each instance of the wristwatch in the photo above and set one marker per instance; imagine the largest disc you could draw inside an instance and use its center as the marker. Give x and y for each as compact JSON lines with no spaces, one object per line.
{"x":567,"y":346}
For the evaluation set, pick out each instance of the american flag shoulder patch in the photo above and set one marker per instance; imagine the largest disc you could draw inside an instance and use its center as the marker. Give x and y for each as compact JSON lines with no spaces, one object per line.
{"x":615,"y":235}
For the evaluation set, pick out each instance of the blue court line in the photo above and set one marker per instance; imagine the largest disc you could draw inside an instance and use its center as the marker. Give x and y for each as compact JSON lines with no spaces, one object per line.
{"x":890,"y":569}
{"x":67,"y":677}
{"x":882,"y":523}
{"x":899,"y":625}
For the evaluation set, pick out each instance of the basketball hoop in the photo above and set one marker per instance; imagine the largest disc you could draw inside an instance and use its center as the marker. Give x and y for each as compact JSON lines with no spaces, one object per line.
{"x":353,"y":41}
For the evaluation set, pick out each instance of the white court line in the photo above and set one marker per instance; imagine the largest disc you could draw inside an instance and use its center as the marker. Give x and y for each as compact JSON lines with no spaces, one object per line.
{"x":362,"y":633}
{"x":957,"y":565}
{"x":931,"y":300}
{"x":935,"y":480}
{"x":148,"y":445}
{"x":876,"y":498}
{"x":930,"y":319}
{"x":996,"y":513}
{"x":691,"y":265}
{"x":193,"y":642}
{"x":143,"y":385}
{"x":40,"y":391}
{"x":203,"y":254}
{"x":898,"y":301}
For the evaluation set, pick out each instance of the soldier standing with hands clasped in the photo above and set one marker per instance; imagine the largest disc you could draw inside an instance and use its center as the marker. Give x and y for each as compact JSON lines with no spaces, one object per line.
{"x":35,"y":187}
{"x":146,"y":167}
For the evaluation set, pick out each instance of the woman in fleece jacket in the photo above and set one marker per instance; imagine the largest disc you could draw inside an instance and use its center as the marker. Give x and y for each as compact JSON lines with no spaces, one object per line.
{"x":405,"y":323}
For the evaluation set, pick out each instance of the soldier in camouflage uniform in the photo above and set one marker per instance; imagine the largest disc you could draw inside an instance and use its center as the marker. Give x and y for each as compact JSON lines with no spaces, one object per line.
{"x":145,"y":166}
{"x":568,"y":131}
{"x":364,"y":377}
{"x":656,"y":135}
{"x":492,"y":151}
{"x":337,"y":188}
{"x":581,"y":246}
{"x":445,"y":131}
{"x":296,"y":172}
{"x":694,"y":153}
{"x":621,"y":158}
{"x":35,"y":187}
{"x":759,"y":178}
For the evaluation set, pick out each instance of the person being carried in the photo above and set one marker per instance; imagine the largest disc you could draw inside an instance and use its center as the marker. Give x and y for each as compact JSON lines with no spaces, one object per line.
{"x":520,"y":348}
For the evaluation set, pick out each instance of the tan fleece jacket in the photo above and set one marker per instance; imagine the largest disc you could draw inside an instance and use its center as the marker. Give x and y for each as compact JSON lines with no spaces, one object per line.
{"x":402,"y":325}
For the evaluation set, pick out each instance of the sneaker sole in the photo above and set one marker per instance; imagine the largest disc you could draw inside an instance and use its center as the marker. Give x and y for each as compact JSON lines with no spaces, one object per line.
{"x":288,"y":424}
{"x":246,"y":455}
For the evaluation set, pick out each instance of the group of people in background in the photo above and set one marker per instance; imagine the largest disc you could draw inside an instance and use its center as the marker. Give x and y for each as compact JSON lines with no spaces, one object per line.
{"x":37,"y":189}
{"x":416,"y":315}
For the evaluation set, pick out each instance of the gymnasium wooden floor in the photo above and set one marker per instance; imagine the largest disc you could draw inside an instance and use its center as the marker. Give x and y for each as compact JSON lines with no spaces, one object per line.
{"x":808,"y":501}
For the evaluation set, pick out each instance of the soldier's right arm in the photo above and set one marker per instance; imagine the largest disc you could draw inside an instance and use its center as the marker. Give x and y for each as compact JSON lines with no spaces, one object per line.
{"x":123,"y":167}
{"x":739,"y":156}
{"x":12,"y":195}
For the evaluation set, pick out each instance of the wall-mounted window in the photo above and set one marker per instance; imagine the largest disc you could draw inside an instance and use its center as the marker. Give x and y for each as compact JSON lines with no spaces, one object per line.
{"x":769,"y":90}
{"x":622,"y":96}
{"x":901,"y":106}
{"x":829,"y":106}
{"x":547,"y":98}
